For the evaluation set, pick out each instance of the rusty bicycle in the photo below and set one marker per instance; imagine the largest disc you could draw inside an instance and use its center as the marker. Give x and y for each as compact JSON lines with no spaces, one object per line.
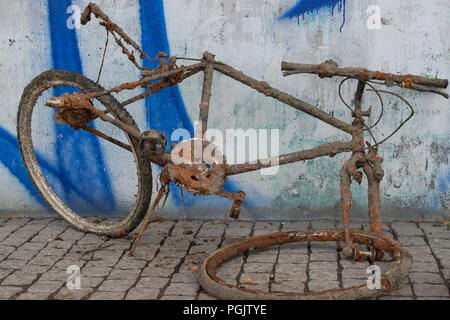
{"x":87,"y":101}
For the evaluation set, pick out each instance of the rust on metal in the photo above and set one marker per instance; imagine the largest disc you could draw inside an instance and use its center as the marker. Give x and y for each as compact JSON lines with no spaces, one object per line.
{"x":389,"y":280}
{"x":201,"y":176}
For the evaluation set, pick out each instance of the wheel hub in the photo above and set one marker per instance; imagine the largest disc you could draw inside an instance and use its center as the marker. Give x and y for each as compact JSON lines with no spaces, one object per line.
{"x":197,"y":166}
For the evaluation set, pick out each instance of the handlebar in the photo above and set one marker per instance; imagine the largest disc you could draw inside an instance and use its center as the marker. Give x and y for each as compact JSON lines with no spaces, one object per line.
{"x":330,"y":68}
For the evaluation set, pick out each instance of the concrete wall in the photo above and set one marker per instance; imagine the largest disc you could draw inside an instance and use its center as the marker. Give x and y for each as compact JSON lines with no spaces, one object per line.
{"x":253,"y":36}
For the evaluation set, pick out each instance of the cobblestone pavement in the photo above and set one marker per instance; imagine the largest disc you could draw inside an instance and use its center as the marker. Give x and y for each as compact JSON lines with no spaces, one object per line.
{"x":35,"y":255}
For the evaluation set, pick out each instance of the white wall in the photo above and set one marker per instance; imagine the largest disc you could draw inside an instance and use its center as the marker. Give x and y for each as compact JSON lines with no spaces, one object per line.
{"x":249,"y":35}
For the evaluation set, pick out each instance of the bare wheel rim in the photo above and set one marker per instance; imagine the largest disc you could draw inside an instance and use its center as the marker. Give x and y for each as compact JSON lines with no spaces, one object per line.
{"x":27,"y":105}
{"x":389,"y":280}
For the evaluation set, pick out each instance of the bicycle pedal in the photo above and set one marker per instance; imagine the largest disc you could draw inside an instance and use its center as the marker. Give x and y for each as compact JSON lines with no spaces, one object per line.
{"x":237,"y":204}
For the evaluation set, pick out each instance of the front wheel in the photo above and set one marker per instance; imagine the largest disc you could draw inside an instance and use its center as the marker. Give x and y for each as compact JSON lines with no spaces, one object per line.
{"x":33,"y":101}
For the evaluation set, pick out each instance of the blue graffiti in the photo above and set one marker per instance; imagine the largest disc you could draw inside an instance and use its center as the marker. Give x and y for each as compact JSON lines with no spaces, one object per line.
{"x":12,"y":160}
{"x":80,"y":165}
{"x":312,"y":6}
{"x":165,"y":110}
{"x":79,"y":155}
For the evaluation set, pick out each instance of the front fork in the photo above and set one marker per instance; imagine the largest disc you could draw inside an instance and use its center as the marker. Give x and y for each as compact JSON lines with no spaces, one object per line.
{"x":370,"y":163}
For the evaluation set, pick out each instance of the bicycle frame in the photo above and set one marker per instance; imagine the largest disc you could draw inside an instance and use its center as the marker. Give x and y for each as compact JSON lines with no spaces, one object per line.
{"x":169,"y":74}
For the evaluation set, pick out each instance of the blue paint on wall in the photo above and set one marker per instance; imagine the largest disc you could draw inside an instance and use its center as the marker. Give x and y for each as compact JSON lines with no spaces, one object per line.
{"x":12,"y":160}
{"x":165,"y":110}
{"x":313,"y":6}
{"x":79,"y":155}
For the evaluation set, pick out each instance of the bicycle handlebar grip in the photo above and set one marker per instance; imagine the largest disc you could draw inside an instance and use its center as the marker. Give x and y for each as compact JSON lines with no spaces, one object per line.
{"x":86,"y":15}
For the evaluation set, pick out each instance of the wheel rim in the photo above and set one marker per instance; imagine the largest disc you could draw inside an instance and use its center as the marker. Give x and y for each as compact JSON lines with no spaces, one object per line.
{"x":389,"y":280}
{"x":43,"y":185}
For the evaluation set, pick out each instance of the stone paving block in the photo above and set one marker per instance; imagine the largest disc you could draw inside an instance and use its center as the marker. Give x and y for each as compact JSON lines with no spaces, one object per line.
{"x":211,"y":229}
{"x":7,"y":292}
{"x":255,"y":281}
{"x":19,"y":278}
{"x":60,"y":244}
{"x":34,"y":296}
{"x":184,"y":289}
{"x":12,"y":264}
{"x":433,"y":227}
{"x":67,"y":261}
{"x":49,"y":251}
{"x":323,"y":256}
{"x":206,"y":296}
{"x":323,"y":265}
{"x":290,"y":268}
{"x":359,"y":273}
{"x":55,"y":274}
{"x":130,"y":264}
{"x":295,"y":247}
{"x":90,"y":282}
{"x":91,"y":238}
{"x":15,"y":241}
{"x":203,"y":248}
{"x":152,"y":282}
{"x":131,"y":274}
{"x":227,"y":273}
{"x":115,"y":285}
{"x":41,"y":222}
{"x":4,"y":272}
{"x":261,"y":256}
{"x":187,"y":229}
{"x":36,"y":246}
{"x":238,"y":230}
{"x":177,"y":297}
{"x":349,"y":282}
{"x":406,"y":229}
{"x":142,"y":294}
{"x":44,"y":260}
{"x":323,"y":246}
{"x":48,"y":286}
{"x":258,"y":267}
{"x":235,"y":263}
{"x":424,"y":267}
{"x":146,"y":253}
{"x":175,"y":244}
{"x":71,"y":234}
{"x":76,"y":294}
{"x":152,"y":271}
{"x":320,"y":285}
{"x":19,"y":222}
{"x":430,"y":290}
{"x":425,"y":277}
{"x":6,"y":250}
{"x":95,"y":271}
{"x":267,"y":225}
{"x":439,"y":243}
{"x":293,"y":258}
{"x":185,"y":277}
{"x":22,"y":254}
{"x":111,"y":295}
{"x":441,"y":253}
{"x":320,"y":274}
{"x":293,"y":285}
{"x":412,"y":241}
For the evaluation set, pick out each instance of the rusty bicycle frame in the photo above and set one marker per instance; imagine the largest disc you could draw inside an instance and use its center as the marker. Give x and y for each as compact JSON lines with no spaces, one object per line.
{"x":77,"y":110}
